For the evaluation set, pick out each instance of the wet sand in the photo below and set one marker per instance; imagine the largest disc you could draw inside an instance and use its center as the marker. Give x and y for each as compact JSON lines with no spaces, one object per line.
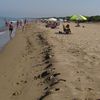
{"x":38,"y":64}
{"x":4,"y":37}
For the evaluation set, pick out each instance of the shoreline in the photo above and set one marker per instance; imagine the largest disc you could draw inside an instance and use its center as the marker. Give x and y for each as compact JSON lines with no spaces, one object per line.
{"x":2,"y":29}
{"x":4,"y":38}
{"x":17,"y":53}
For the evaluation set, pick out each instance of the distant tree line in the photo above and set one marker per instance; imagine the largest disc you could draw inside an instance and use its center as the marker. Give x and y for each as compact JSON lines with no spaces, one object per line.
{"x":89,"y":18}
{"x":94,"y":19}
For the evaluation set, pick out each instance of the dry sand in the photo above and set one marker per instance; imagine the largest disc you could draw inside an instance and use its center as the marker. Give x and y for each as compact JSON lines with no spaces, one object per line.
{"x":38,"y":64}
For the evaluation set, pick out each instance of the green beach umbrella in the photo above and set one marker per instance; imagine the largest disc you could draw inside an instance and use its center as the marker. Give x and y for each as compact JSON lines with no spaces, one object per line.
{"x":78,"y":17}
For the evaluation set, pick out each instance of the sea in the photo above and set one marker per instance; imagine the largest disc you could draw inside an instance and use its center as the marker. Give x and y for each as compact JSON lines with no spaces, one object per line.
{"x":4,"y":34}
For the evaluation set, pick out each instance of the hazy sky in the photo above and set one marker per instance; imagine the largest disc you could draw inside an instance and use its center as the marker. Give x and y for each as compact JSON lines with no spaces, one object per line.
{"x":40,"y":8}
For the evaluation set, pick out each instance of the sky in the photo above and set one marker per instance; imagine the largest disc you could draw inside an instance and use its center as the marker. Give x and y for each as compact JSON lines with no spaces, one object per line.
{"x":48,"y":8}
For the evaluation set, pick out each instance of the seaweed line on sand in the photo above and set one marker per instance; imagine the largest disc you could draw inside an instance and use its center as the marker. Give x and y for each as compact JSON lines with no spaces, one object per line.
{"x":48,"y":74}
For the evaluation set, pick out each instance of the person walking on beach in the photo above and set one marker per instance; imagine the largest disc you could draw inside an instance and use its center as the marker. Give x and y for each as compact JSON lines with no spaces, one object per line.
{"x":10,"y":29}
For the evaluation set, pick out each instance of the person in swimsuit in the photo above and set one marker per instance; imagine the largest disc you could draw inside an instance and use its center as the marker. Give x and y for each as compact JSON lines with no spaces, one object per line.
{"x":10,"y":29}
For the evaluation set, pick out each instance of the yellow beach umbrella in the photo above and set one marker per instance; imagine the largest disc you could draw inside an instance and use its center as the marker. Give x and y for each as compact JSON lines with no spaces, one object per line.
{"x":78,"y":18}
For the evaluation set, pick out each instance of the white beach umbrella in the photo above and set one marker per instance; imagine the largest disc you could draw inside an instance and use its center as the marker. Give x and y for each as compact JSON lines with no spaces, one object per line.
{"x":13,"y":21}
{"x":52,"y":19}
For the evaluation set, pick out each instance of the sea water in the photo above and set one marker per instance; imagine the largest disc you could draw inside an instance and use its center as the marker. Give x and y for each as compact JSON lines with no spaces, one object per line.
{"x":1,"y":23}
{"x":4,"y":35}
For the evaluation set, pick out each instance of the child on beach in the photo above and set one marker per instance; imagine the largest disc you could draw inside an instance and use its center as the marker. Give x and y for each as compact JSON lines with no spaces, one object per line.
{"x":66,"y":29}
{"x":10,"y":29}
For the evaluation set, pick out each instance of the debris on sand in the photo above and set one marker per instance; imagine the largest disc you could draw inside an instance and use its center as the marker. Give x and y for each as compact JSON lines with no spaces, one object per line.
{"x":48,"y":76}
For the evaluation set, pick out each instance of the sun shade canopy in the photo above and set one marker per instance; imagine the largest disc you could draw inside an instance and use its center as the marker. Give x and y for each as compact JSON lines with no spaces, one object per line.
{"x":52,"y":19}
{"x":78,"y":17}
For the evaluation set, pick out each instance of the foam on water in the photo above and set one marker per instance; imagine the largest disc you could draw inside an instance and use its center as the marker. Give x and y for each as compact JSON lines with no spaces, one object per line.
{"x":4,"y":37}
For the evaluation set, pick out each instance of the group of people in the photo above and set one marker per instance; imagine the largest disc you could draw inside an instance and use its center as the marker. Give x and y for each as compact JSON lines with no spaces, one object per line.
{"x":66,"y":29}
{"x":52,"y":24}
{"x":19,"y":24}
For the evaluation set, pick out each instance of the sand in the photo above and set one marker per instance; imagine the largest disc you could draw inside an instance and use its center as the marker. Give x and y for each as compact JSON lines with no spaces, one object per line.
{"x":39,"y":64}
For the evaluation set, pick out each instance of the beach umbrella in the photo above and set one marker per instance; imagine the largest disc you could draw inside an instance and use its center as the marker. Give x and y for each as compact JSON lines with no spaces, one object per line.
{"x":78,"y":18}
{"x":13,"y":21}
{"x":52,"y":19}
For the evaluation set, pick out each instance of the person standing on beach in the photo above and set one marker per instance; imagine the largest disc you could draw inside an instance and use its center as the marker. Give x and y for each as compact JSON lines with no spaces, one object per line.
{"x":25,"y":22}
{"x":10,"y":29}
{"x":17,"y":23}
{"x":22,"y":25}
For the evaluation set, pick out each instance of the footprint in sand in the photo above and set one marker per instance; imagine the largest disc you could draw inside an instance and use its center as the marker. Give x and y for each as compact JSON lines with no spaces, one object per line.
{"x":16,"y":93}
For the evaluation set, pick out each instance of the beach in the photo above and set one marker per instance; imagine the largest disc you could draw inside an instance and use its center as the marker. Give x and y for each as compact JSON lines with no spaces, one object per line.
{"x":38,"y":64}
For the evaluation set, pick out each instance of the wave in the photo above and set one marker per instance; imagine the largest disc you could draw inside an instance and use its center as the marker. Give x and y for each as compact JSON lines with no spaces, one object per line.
{"x":3,"y":32}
